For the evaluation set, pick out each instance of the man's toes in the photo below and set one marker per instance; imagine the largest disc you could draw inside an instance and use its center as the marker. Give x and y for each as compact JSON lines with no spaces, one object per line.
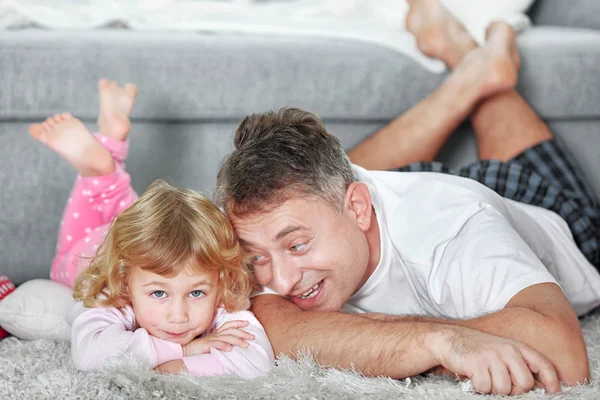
{"x":488,"y":30}
{"x":516,"y":58}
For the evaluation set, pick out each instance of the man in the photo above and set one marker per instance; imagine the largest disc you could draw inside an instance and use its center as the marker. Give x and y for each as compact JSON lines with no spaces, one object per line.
{"x":433,"y":271}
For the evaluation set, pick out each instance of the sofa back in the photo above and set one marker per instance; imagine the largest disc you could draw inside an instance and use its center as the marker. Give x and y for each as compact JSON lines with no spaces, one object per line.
{"x":572,"y":13}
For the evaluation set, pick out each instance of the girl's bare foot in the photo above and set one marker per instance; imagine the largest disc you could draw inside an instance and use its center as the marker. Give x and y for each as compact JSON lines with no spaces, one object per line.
{"x":439,"y":34}
{"x":69,"y":137}
{"x":115,"y":108}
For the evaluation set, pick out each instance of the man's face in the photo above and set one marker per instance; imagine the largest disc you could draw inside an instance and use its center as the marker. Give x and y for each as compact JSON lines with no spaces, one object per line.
{"x":177,"y":308}
{"x":307,"y":251}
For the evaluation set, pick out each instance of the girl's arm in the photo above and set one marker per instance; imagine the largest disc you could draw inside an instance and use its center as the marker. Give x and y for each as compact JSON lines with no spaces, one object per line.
{"x":102,"y":332}
{"x":246,"y":362}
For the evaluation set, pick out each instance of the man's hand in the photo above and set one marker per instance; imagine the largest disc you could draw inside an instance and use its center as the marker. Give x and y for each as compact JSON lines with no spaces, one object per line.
{"x":228,"y":335}
{"x":494,"y":365}
{"x":541,"y":308}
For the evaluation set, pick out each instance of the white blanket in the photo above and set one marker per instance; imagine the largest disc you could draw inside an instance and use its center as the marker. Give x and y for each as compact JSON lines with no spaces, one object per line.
{"x":374,"y":21}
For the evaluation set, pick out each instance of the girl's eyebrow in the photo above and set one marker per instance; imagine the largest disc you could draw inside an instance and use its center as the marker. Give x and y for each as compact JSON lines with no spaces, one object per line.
{"x":155,"y":283}
{"x":162,"y":284}
{"x":202,"y":283}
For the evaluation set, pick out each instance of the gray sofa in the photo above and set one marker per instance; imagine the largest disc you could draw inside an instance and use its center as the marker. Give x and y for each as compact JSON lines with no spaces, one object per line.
{"x":195,"y":88}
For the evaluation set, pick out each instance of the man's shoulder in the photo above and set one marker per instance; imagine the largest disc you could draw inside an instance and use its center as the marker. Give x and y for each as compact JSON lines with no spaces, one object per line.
{"x":263,"y":290}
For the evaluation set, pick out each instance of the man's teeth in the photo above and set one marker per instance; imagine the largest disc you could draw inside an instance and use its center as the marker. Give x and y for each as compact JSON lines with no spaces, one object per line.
{"x":312,"y":292}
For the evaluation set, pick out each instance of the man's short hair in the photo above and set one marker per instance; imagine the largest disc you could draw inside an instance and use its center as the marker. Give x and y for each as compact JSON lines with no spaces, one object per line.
{"x":279,"y":155}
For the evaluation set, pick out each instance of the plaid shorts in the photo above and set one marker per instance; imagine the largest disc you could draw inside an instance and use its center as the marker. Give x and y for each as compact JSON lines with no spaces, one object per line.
{"x":545,"y":175}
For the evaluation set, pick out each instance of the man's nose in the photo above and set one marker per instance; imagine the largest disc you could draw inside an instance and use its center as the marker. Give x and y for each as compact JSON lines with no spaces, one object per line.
{"x":178,"y":313}
{"x":285,"y":276}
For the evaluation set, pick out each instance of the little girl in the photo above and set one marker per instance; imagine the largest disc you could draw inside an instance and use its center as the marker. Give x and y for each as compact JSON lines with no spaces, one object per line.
{"x":168,"y":282}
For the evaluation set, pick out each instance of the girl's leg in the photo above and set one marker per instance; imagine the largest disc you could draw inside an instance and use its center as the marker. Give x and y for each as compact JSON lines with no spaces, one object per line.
{"x":102,"y":189}
{"x":94,"y":202}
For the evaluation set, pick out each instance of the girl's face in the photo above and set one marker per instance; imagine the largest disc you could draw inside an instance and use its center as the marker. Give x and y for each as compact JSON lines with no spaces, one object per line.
{"x":177,"y":309}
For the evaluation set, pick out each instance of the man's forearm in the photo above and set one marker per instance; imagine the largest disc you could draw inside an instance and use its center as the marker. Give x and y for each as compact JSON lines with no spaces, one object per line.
{"x":546,"y":335}
{"x":562,"y":345}
{"x":341,"y":340}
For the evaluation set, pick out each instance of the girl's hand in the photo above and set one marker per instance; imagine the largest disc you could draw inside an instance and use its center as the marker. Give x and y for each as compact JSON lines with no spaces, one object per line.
{"x":228,"y":335}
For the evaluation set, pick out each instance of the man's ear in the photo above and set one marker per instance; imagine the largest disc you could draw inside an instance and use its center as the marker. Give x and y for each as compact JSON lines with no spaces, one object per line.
{"x":358,"y":203}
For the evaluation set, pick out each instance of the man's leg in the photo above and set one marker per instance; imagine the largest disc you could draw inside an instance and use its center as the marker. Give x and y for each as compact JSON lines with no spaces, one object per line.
{"x":504,"y":124}
{"x":419,"y":134}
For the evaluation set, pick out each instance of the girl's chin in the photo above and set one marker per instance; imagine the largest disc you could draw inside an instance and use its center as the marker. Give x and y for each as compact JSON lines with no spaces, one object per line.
{"x":180,"y":340}
{"x":183,"y":340}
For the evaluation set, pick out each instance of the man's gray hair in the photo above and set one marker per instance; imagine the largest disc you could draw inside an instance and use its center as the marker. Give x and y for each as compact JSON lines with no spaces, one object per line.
{"x":279,"y":155}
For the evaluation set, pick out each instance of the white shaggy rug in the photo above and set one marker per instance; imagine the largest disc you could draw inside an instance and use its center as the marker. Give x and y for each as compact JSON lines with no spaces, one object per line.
{"x":42,"y":369}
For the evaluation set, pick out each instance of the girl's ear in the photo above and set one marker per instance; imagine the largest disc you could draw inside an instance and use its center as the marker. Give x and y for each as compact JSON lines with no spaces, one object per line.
{"x":125,"y":297}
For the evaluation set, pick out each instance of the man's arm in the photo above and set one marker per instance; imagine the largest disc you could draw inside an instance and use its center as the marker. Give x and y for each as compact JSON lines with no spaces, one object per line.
{"x":171,"y":367}
{"x":344,"y":340}
{"x":402,"y":348}
{"x":539,"y":316}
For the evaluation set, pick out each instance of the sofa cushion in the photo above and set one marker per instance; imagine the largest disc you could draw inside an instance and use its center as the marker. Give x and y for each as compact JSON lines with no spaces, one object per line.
{"x":186,"y":76}
{"x":38,"y":309}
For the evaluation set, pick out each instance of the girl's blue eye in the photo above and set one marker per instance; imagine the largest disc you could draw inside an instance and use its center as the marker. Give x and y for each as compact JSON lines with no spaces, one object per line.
{"x":159,"y":294}
{"x":257,"y":258}
{"x":196,"y":293}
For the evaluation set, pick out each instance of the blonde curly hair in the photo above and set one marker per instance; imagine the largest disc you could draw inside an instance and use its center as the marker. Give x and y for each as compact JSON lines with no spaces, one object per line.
{"x":166,"y":231}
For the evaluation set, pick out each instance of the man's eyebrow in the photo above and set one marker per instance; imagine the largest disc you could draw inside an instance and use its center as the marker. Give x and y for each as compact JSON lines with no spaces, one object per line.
{"x":282,"y":233}
{"x":245,"y":243}
{"x":287,"y":230}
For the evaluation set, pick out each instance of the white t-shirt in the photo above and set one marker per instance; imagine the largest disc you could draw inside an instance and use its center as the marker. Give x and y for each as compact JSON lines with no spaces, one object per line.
{"x":451,"y":247}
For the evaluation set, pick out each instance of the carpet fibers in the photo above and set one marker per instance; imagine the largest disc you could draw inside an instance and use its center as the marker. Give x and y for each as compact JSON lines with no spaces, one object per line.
{"x":42,"y":369}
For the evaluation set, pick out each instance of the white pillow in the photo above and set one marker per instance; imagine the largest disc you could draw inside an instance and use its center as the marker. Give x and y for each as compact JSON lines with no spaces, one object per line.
{"x":37,"y":309}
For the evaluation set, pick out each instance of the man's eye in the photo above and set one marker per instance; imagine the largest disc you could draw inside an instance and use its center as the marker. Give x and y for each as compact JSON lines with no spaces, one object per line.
{"x":196,"y":293}
{"x":159,"y":294}
{"x":298,"y":247}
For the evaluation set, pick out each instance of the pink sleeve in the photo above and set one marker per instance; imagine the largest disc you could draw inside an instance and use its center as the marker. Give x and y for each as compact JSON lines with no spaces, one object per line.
{"x":250,"y":362}
{"x":203,"y":365}
{"x":102,"y":332}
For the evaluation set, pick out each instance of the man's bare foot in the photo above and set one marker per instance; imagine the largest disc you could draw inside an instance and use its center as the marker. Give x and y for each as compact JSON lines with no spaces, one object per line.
{"x":69,"y":137}
{"x":504,"y":35}
{"x":492,"y":68}
{"x":115,"y":107}
{"x":439,"y":34}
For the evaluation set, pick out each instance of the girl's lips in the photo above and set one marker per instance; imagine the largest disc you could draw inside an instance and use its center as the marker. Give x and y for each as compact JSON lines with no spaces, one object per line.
{"x":176,"y":334}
